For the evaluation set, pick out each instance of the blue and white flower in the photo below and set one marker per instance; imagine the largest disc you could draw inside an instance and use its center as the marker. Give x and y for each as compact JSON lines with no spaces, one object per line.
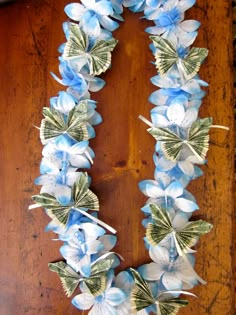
{"x":92,"y":15}
{"x":103,"y":304}
{"x":168,"y":194}
{"x":171,"y":87}
{"x":71,"y":78}
{"x":177,"y":114}
{"x":58,"y":183}
{"x":181,"y":170}
{"x":169,"y":18}
{"x":64,"y":152}
{"x":174,"y":275}
{"x":82,"y":243}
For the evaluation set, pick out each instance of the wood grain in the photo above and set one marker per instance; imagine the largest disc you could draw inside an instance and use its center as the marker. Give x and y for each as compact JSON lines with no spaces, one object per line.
{"x":30,"y":32}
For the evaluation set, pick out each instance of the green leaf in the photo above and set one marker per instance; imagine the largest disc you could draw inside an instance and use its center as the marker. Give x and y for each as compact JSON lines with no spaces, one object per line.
{"x":69,"y":278}
{"x":98,"y":57}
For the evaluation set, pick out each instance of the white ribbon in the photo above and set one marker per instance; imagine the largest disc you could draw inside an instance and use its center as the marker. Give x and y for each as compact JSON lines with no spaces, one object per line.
{"x":106,"y":226}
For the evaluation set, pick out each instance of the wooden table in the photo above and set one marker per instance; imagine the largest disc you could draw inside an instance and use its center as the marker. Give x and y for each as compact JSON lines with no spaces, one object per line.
{"x":30,"y":33}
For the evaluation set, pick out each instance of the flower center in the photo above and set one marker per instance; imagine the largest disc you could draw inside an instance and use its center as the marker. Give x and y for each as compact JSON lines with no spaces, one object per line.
{"x":169,"y":18}
{"x":99,"y":298}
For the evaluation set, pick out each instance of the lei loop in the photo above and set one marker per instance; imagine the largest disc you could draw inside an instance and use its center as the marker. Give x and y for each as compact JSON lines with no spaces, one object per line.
{"x":182,"y":141}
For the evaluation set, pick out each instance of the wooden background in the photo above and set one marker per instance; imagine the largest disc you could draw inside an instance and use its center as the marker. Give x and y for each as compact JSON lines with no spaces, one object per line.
{"x":30,"y":33}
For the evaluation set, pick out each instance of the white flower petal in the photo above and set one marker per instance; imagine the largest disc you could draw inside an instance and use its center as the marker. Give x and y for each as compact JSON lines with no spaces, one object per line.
{"x":186,"y":167}
{"x":176,"y":113}
{"x":94,"y":247}
{"x":174,"y":190}
{"x":190,"y":25}
{"x":75,"y":11}
{"x":186,"y":205}
{"x":79,"y":161}
{"x":108,"y":241}
{"x":63,"y":194}
{"x":151,"y":189}
{"x":165,"y":164}
{"x":115,"y":296}
{"x":71,"y":178}
{"x":159,"y":120}
{"x":190,"y":116}
{"x":91,"y":230}
{"x":124,"y":281}
{"x":159,"y":255}
{"x":151,"y":272}
{"x":171,"y":281}
{"x":103,"y":309}
{"x":83,"y":301}
{"x":103,"y":7}
{"x":180,"y":220}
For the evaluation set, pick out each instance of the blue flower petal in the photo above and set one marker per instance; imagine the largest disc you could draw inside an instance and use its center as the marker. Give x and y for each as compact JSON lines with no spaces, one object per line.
{"x":115,"y":296}
{"x":75,"y":11}
{"x":108,"y":23}
{"x":90,"y":24}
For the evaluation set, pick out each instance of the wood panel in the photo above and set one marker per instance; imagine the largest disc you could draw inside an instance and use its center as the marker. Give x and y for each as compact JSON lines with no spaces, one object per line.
{"x":30,"y":32}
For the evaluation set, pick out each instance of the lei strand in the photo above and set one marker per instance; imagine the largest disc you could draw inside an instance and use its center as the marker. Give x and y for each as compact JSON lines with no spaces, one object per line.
{"x":182,"y":141}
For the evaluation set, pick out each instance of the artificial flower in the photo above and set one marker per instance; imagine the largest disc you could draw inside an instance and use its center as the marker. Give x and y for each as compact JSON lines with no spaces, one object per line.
{"x":169,"y":194}
{"x":103,"y":304}
{"x":81,"y":244}
{"x":174,"y":274}
{"x":171,"y":87}
{"x":71,"y":78}
{"x":125,"y":282}
{"x":92,"y":15}
{"x":63,"y":103}
{"x":58,"y":183}
{"x":169,"y":19}
{"x":177,"y":114}
{"x":64,"y":152}
{"x":135,"y":5}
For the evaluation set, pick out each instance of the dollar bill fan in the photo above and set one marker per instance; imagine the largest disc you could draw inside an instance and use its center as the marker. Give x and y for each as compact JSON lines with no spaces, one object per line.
{"x":55,"y":124}
{"x":82,"y":196}
{"x":197,"y":139}
{"x":98,"y":55}
{"x":167,"y":56}
{"x":142,"y":297}
{"x":70,"y":279}
{"x":184,"y":238}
